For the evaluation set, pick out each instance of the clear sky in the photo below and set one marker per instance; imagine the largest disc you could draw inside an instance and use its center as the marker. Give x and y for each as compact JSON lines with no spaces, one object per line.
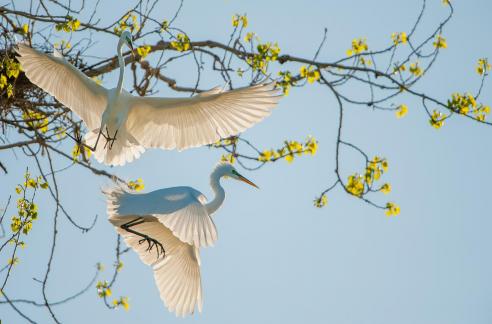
{"x":278,"y":259}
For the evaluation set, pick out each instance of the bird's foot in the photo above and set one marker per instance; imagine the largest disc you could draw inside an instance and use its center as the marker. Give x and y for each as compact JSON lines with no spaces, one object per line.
{"x":109,"y":139}
{"x":153,"y":243}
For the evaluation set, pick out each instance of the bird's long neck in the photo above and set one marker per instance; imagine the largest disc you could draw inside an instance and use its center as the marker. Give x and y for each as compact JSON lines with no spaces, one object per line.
{"x":219,"y":193}
{"x":122,"y":67}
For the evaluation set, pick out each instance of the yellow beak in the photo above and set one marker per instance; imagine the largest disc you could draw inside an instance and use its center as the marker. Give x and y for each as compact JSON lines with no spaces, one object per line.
{"x":243,"y":179}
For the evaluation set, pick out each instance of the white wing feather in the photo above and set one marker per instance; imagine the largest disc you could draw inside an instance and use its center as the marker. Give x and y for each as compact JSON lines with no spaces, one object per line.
{"x":177,"y":274}
{"x":203,"y":119}
{"x":180,"y":209}
{"x":66,"y":83}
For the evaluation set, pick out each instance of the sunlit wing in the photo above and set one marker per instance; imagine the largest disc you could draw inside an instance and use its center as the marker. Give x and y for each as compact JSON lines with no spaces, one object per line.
{"x":177,"y":274}
{"x":203,"y":119}
{"x":64,"y":82}
{"x":180,"y":209}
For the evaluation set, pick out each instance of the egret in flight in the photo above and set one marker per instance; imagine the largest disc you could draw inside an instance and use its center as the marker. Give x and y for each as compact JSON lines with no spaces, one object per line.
{"x":167,"y":227}
{"x":131,"y":124}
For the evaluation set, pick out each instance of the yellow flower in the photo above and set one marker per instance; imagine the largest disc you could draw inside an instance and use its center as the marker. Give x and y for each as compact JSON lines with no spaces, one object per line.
{"x":143,"y":51}
{"x":440,"y":42}
{"x":80,"y":151}
{"x":265,"y":156}
{"x":392,"y":209}
{"x":483,"y":66}
{"x":25,"y":29}
{"x":399,"y":38}
{"x":236,"y":19}
{"x":415,"y":69}
{"x":446,"y":2}
{"x":310,"y":74}
{"x":321,"y":201}
{"x":228,"y":158}
{"x":312,"y":146}
{"x":289,"y":158}
{"x":386,"y":188}
{"x":358,"y":46}
{"x":437,"y":119}
{"x":136,"y":185}
{"x":182,"y":44}
{"x":401,"y":111}
{"x":355,"y":185}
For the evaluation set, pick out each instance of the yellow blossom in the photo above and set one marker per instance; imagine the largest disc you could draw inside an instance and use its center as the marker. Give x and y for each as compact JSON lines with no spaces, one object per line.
{"x":415,"y":69}
{"x":483,"y":66}
{"x":437,"y":119}
{"x":398,"y":38}
{"x":310,"y":73}
{"x":143,"y":51}
{"x":358,"y":46}
{"x":136,"y":185}
{"x":440,"y":42}
{"x":401,"y":111}
{"x":392,"y":209}
{"x":321,"y":201}
{"x":386,"y":188}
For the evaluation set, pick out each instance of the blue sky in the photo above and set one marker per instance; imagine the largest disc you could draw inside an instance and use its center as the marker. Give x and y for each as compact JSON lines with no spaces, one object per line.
{"x":278,"y":259}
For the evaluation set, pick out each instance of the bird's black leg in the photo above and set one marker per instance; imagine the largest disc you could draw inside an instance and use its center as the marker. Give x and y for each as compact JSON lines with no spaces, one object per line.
{"x":145,"y":238}
{"x":110,"y":140}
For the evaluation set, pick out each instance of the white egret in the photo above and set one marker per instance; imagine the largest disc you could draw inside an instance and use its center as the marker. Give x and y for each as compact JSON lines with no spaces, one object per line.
{"x":138,"y":123}
{"x":175,"y":223}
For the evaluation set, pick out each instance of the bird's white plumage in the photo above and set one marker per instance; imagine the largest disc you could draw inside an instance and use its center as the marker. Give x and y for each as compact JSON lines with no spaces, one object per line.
{"x":173,"y":217}
{"x":203,"y":119}
{"x":66,"y":83}
{"x":146,"y":122}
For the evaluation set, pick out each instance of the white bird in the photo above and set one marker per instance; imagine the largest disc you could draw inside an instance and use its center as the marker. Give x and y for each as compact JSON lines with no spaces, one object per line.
{"x":167,"y":227}
{"x":138,"y":123}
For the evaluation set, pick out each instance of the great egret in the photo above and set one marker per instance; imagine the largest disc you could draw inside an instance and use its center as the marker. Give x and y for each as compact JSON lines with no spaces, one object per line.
{"x":175,"y":223}
{"x":145,"y":122}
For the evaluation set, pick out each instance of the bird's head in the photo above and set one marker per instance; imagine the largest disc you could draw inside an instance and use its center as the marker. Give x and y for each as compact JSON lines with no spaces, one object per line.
{"x":126,"y":38}
{"x":228,"y":170}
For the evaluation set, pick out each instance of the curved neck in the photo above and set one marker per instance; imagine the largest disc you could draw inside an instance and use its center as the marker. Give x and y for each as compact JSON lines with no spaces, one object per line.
{"x":122,"y":67}
{"x":219,"y":193}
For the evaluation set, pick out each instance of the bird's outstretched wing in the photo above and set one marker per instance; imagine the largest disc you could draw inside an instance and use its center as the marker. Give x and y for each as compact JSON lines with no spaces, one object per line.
{"x":182,"y":123}
{"x":180,"y":209}
{"x":64,"y":82}
{"x":177,"y":273}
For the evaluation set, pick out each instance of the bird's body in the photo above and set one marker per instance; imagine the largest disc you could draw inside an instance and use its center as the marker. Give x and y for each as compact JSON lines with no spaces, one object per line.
{"x":179,"y":221}
{"x":132,"y":124}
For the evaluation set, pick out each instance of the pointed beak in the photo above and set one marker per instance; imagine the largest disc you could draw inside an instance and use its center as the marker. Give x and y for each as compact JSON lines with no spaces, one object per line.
{"x":243,"y":179}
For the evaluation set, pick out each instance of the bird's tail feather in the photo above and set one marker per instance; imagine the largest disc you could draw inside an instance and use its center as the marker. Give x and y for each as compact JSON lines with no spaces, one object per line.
{"x":124,"y":149}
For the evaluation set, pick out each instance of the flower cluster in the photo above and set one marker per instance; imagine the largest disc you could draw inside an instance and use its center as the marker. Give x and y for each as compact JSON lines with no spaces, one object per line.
{"x":103,"y":289}
{"x":483,"y":66}
{"x":399,"y":38}
{"x":321,"y":201}
{"x":415,"y":69}
{"x":136,"y":185}
{"x":80,"y":152}
{"x":35,"y":120}
{"x":440,"y":42}
{"x":267,"y":52}
{"x":401,"y":111}
{"x":9,"y":71}
{"x":358,"y":184}
{"x":290,"y":150}
{"x":27,"y":210}
{"x":437,"y":119}
{"x":129,"y":21}
{"x":286,"y":82}
{"x":123,"y":301}
{"x":70,"y":25}
{"x":143,"y":51}
{"x":392,"y":209}
{"x":182,"y":43}
{"x":239,"y":20}
{"x":466,"y":103}
{"x":311,"y":74}
{"x":359,"y":45}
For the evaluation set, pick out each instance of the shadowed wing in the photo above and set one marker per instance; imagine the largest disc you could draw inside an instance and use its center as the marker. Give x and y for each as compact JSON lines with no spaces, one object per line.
{"x":182,"y":123}
{"x":64,"y":82}
{"x":181,"y":209}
